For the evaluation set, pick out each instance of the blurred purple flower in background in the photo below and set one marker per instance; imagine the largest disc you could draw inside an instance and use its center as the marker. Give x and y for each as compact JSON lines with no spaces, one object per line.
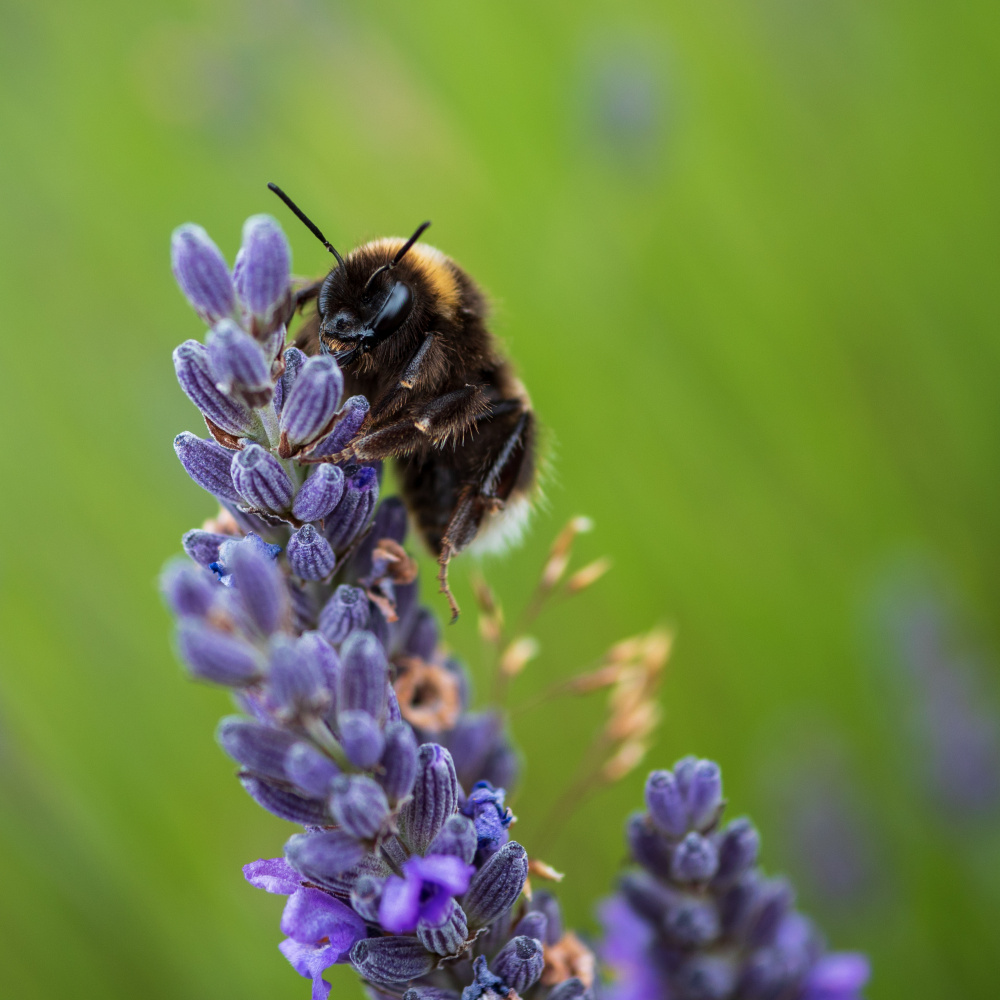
{"x":952,"y":713}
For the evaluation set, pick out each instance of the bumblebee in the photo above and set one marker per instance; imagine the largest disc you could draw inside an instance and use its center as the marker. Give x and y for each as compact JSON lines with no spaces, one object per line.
{"x":408,"y":328}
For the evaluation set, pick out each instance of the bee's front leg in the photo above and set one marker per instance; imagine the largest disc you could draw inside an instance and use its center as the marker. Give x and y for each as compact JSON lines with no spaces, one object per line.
{"x":433,"y":425}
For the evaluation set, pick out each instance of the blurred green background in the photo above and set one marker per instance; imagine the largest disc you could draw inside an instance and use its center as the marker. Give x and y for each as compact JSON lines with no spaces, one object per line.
{"x":745,"y":256}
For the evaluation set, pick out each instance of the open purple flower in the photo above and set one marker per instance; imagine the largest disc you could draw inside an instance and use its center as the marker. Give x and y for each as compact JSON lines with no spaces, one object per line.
{"x":321,"y":930}
{"x":423,"y":893}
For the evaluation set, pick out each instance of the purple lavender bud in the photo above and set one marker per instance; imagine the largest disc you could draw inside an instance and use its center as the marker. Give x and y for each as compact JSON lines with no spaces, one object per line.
{"x":349,"y":420}
{"x":261,"y":481}
{"x":496,"y":886}
{"x":364,"y":673}
{"x":366,"y":895}
{"x":297,"y":685}
{"x":648,"y":845}
{"x":390,"y":522}
{"x":435,"y":795}
{"x":201,"y":271}
{"x":315,"y":646}
{"x":774,"y":900}
{"x":520,"y":963}
{"x":263,"y":265}
{"x":399,"y":761}
{"x":256,"y":577}
{"x":547,"y":904}
{"x":222,"y":567}
{"x":501,"y":767}
{"x":309,"y":769}
{"x":355,"y":507}
{"x":839,"y":976}
{"x":666,"y":804}
{"x":647,"y":895}
{"x":359,"y":805}
{"x":737,"y":903}
{"x":194,"y":373}
{"x":203,"y":546}
{"x":570,"y":989}
{"x":309,"y":554}
{"x":294,"y":360}
{"x":272,"y":344}
{"x":261,"y":749}
{"x":456,"y":838}
{"x":430,"y":993}
{"x":312,"y":401}
{"x":217,"y":656}
{"x":684,"y":771}
{"x":391,"y":960}
{"x":239,"y":365}
{"x":707,"y":977}
{"x":283,"y":802}
{"x":768,"y":973}
{"x":361,"y":737}
{"x":533,"y":924}
{"x":691,"y":921}
{"x":448,"y":935}
{"x":738,"y":847}
{"x":472,"y":741}
{"x":695,"y":860}
{"x":423,"y":637}
{"x":704,"y":795}
{"x":188,"y":590}
{"x":319,"y":494}
{"x":344,"y":613}
{"x":322,"y":856}
{"x":207,"y":463}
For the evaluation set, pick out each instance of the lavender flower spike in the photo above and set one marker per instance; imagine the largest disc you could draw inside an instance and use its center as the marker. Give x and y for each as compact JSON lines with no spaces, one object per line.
{"x":201,"y":271}
{"x":662,"y":930}
{"x":263,"y":266}
{"x":311,"y":403}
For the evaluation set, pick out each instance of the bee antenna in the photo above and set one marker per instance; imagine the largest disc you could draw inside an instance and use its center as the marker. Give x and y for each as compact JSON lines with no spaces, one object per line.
{"x":400,"y":254}
{"x":310,"y":225}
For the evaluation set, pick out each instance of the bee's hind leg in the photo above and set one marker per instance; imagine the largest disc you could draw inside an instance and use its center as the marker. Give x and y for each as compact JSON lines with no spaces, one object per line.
{"x":462,"y":528}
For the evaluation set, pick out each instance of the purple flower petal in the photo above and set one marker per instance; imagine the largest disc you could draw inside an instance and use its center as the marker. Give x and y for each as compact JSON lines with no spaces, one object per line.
{"x":311,"y":962}
{"x":399,"y":910}
{"x":273,"y":875}
{"x":447,"y":871}
{"x":839,"y":976}
{"x":312,"y":916}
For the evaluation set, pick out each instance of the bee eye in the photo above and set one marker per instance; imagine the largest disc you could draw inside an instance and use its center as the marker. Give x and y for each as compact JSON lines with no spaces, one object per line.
{"x":394,"y":311}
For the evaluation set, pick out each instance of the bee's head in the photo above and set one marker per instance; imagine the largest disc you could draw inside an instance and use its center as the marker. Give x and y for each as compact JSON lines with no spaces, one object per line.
{"x":360,"y":304}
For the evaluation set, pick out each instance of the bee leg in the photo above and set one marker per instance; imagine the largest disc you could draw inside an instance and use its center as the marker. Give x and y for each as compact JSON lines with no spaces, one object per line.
{"x":307,"y":293}
{"x":427,"y":358}
{"x":477,"y":500}
{"x":443,"y":559}
{"x":439,"y":421}
{"x":413,"y":369}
